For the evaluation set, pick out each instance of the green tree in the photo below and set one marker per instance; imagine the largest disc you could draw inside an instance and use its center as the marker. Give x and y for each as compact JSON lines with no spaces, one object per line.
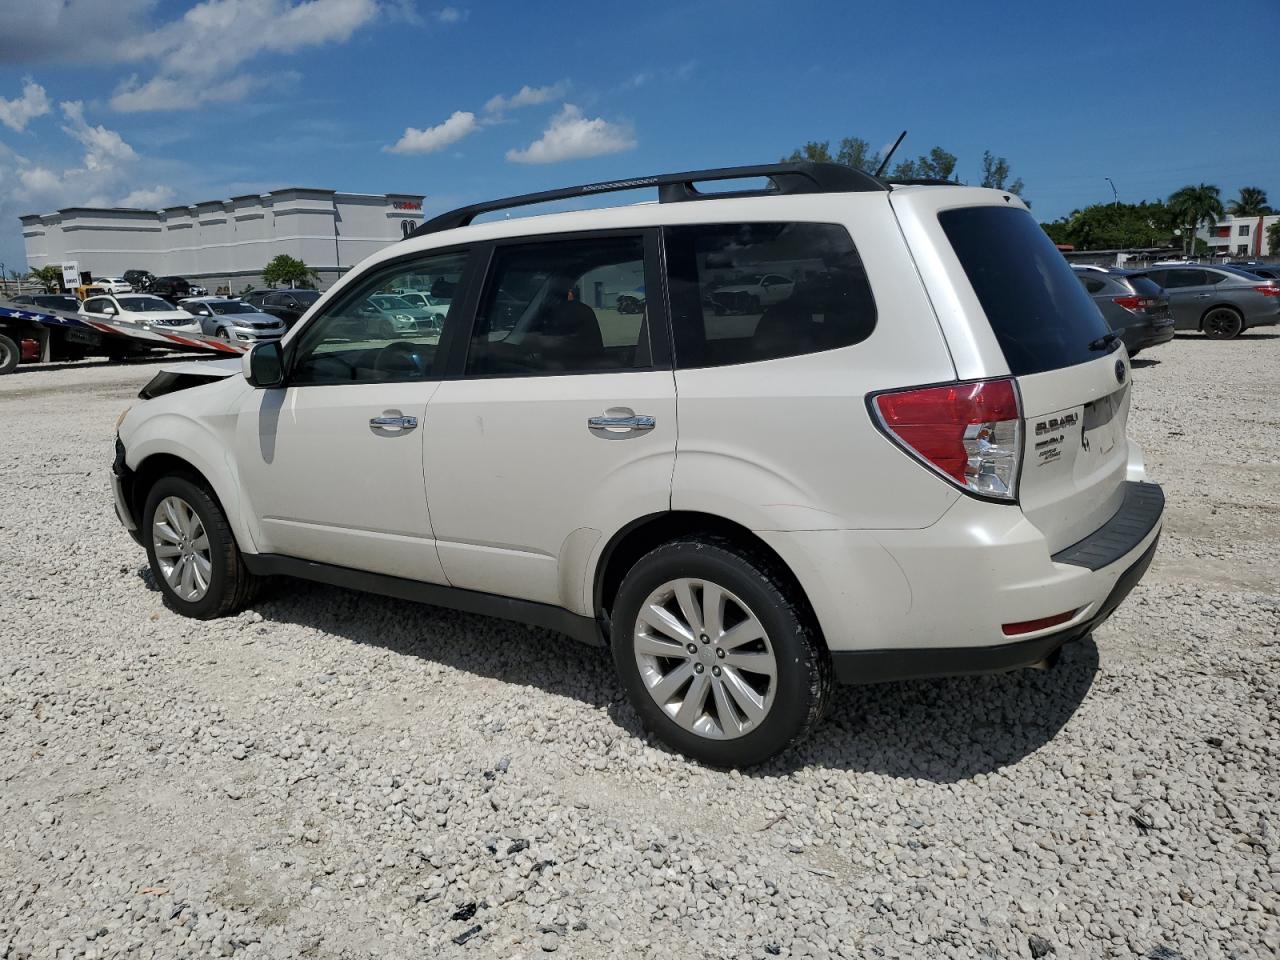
{"x":288,"y":270}
{"x":995,"y":173}
{"x":1273,"y":238}
{"x":1112,"y":226}
{"x":1196,"y":205}
{"x":49,"y":276}
{"x":1252,"y":202}
{"x":937,"y":164}
{"x":852,"y":152}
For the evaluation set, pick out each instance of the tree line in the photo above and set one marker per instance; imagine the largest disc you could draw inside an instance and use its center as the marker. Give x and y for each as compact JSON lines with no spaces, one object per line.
{"x":1109,"y":226}
{"x":937,"y":164}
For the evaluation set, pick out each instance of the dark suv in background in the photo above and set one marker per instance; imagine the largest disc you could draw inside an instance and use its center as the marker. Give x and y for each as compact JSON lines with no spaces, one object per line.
{"x":140,"y":280}
{"x":288,"y":305}
{"x":172,"y":289}
{"x":1134,"y":307}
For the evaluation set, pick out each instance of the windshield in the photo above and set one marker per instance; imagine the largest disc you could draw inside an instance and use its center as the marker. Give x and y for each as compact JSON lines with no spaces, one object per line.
{"x":306,"y":296}
{"x":1040,"y":313}
{"x":388,"y":302}
{"x":57,"y":303}
{"x":231,"y":306}
{"x":143,"y":304}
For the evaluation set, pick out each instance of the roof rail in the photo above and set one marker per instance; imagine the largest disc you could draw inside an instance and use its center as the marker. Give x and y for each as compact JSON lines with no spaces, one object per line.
{"x":784,"y":178}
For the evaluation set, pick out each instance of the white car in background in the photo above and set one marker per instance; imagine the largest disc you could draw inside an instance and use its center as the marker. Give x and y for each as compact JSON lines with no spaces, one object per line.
{"x":142,"y":309}
{"x":406,"y":317}
{"x":754,"y":292}
{"x":114,"y":284}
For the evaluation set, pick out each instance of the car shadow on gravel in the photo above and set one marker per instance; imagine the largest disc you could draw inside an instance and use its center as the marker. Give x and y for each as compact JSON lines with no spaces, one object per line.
{"x":1143,"y":362}
{"x":1250,"y":334}
{"x":938,"y":730}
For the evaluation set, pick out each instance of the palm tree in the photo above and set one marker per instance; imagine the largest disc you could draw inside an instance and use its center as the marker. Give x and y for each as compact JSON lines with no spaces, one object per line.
{"x":50,"y":277}
{"x":1252,"y":202}
{"x":1197,"y":205}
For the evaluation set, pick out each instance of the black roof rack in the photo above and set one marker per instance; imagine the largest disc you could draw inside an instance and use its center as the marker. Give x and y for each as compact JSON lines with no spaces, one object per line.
{"x":784,"y":178}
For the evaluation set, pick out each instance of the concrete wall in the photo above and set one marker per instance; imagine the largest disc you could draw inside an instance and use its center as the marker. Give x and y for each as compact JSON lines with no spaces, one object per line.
{"x":225,"y":242}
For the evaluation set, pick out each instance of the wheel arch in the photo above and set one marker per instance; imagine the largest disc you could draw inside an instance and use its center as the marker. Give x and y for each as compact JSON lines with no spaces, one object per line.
{"x":645,"y":533}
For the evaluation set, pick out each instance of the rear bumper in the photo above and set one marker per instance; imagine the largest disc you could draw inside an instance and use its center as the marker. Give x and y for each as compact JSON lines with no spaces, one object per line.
{"x":894,"y":604}
{"x":879,"y":666}
{"x":1156,"y":334}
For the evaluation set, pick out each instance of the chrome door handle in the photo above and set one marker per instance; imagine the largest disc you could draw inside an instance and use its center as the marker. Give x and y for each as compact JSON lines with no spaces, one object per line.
{"x":405,"y":423}
{"x":633,"y":422}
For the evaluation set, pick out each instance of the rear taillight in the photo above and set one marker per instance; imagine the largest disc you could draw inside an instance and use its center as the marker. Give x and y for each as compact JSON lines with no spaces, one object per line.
{"x":971,"y":433}
{"x":1268,"y":291}
{"x":1136,"y":303}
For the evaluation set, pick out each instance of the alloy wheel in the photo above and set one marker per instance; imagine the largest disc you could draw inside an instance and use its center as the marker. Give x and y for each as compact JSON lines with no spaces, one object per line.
{"x":1223,"y":324}
{"x":705,"y":658}
{"x":182,"y":548}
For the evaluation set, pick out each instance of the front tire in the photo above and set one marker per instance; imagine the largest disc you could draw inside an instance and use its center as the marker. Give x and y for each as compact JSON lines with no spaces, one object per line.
{"x":717,"y":652}
{"x":192,"y":552}
{"x":9,"y":355}
{"x":1223,"y":323}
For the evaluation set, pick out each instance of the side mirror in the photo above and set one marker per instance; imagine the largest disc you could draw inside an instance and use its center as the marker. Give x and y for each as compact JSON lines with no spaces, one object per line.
{"x":263,"y":366}
{"x":109,"y":310}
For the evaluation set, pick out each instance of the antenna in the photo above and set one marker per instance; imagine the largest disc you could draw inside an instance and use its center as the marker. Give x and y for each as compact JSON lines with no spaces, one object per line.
{"x":889,"y":156}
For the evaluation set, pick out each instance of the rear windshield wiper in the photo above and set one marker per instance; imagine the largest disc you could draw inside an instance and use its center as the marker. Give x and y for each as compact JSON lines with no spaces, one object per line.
{"x":1104,"y":342}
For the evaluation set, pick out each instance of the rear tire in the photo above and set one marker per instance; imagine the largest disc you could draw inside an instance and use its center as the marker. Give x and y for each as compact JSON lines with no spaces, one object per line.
{"x":9,"y":355}
{"x":680,"y":623}
{"x":1222,"y":323}
{"x":191,"y":532}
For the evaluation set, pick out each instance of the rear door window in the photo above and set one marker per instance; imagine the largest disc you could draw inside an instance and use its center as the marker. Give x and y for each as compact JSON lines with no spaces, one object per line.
{"x":744,"y":292}
{"x":1042,"y":317}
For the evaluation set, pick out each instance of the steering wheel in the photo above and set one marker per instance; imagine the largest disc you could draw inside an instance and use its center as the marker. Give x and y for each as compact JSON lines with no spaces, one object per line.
{"x":400,"y":359}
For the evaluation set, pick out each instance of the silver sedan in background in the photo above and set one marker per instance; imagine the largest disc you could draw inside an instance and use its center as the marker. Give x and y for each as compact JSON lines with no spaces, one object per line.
{"x":233,"y":319}
{"x":1220,"y":301}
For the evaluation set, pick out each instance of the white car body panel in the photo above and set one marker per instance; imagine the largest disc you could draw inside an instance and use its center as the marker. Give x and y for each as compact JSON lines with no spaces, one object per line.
{"x":518,"y":482}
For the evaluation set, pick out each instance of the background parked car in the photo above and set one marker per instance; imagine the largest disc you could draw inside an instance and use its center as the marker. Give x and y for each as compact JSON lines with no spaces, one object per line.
{"x":52,"y":301}
{"x":1221,"y":301}
{"x":752,"y":293}
{"x":1267,"y":271}
{"x":1135,"y":307}
{"x":406,"y":316}
{"x":140,"y":280}
{"x":233,"y":319}
{"x":172,"y":289}
{"x":438,"y":307}
{"x":143,"y":309}
{"x":114,"y":284}
{"x":288,"y":305}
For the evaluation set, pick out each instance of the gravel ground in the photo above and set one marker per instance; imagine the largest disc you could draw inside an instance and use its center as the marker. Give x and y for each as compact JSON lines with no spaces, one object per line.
{"x":337,"y":775}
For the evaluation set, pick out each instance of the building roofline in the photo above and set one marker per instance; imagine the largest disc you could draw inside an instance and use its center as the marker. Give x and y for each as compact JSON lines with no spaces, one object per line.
{"x":189,"y":206}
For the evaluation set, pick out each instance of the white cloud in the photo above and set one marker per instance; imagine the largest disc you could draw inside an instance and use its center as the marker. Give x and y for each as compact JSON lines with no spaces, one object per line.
{"x":452,"y":14}
{"x":33,"y":103}
{"x":148,"y":198}
{"x":203,"y":55}
{"x":572,"y":136}
{"x":459,"y":125}
{"x":104,"y":149}
{"x":527,"y":96}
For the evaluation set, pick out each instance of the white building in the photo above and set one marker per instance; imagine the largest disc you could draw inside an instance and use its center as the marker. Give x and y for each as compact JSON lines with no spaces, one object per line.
{"x":1238,"y":236}
{"x":225,"y":242}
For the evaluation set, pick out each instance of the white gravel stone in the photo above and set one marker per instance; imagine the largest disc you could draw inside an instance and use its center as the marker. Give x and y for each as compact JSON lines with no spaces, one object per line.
{"x":336,"y":775}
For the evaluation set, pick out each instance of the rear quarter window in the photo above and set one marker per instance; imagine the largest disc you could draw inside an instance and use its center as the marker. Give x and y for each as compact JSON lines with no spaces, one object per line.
{"x":745,"y":292}
{"x":1039,"y":311}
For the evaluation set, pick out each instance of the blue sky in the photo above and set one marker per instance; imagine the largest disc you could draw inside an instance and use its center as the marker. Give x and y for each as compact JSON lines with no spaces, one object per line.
{"x":151,"y":103}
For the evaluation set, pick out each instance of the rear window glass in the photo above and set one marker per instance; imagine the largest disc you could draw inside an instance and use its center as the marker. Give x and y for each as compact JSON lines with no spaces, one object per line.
{"x":743,"y":292}
{"x":1038,"y":310}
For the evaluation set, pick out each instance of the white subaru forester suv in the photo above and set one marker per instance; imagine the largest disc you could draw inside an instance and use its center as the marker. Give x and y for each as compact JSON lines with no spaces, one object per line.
{"x":914,"y":465}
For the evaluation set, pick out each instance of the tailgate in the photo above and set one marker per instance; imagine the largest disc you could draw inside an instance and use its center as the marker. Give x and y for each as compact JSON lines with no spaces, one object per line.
{"x":1077,"y":452}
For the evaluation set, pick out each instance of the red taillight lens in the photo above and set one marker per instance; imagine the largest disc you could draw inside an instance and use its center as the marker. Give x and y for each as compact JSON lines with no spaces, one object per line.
{"x":1031,"y":626}
{"x":971,"y":433}
{"x":1268,"y":291}
{"x":1135,"y":303}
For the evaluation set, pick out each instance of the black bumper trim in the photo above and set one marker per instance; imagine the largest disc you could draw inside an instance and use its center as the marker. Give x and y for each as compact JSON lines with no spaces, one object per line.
{"x":1139,"y":512}
{"x":880,"y":666}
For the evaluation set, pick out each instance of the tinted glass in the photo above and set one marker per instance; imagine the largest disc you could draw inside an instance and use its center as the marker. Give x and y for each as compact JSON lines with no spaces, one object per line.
{"x":95,"y":306}
{"x":727,"y":309}
{"x":356,"y":341}
{"x":144,"y":304}
{"x":1092,"y":285}
{"x":231,"y":306}
{"x":1173,"y":279}
{"x":1041,"y":315}
{"x":1143,"y":286}
{"x":554,"y":308}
